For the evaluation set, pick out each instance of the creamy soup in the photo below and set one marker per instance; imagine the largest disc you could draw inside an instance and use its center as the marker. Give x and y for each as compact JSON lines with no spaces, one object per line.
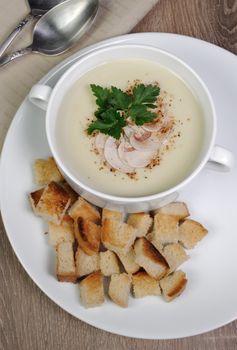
{"x":177,"y":159}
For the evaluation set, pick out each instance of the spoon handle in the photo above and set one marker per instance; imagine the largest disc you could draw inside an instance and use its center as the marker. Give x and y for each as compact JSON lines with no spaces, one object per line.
{"x":14,"y":33}
{"x":8,"y":58}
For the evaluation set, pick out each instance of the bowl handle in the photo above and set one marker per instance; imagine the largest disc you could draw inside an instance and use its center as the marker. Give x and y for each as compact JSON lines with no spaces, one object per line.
{"x":221,"y":159}
{"x":39,"y":95}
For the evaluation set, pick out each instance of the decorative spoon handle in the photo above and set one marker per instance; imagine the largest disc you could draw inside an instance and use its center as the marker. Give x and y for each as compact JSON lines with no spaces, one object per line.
{"x":14,"y":33}
{"x":8,"y":58}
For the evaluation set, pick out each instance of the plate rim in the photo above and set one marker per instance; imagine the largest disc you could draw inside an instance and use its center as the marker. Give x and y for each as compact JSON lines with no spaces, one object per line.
{"x":15,"y":120}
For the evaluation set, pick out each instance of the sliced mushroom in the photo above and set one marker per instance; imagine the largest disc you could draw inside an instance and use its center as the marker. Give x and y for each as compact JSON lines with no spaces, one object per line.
{"x":99,"y":142}
{"x":150,"y":144}
{"x":112,"y":156}
{"x":133,"y":157}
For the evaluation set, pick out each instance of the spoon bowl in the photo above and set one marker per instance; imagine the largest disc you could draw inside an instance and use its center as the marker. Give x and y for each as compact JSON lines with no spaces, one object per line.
{"x":63,"y":26}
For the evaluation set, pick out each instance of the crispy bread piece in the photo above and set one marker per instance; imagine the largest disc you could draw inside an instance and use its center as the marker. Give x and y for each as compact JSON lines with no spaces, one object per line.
{"x":111,"y":214}
{"x":92,"y":290}
{"x":109,"y":263}
{"x":177,"y":209}
{"x":86,"y":264}
{"x":73,"y":195}
{"x":173,"y":285}
{"x":34,"y":198}
{"x":141,"y":221}
{"x":150,"y":259}
{"x":117,"y":236}
{"x":144,"y":285}
{"x":53,"y":203}
{"x":46,"y":171}
{"x":175,"y":255}
{"x":61,"y":233}
{"x":87,"y":234}
{"x":65,"y":270}
{"x":156,"y":243}
{"x":166,"y":229}
{"x":85,"y":210}
{"x":128,"y":261}
{"x":119,"y":289}
{"x":190,"y":233}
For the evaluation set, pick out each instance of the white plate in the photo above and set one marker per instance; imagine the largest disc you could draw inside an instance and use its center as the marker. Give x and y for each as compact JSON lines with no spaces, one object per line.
{"x":210,"y":299}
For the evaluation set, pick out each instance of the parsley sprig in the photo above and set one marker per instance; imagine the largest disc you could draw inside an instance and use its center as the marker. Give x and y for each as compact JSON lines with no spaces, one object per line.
{"x":116,"y":106}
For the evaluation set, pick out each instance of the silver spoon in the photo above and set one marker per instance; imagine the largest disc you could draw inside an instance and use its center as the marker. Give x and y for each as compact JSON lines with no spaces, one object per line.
{"x":37,"y":8}
{"x":59,"y":29}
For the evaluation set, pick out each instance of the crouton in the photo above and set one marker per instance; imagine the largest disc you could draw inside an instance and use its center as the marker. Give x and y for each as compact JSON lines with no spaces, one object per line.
{"x":85,"y":210}
{"x":144,"y":285}
{"x":117,"y":236}
{"x":73,"y":195}
{"x":109,"y":263}
{"x":111,"y":214}
{"x":151,"y":237}
{"x":46,"y":171}
{"x":173,"y":285}
{"x":179,"y":210}
{"x":150,"y":259}
{"x":88,"y":235}
{"x":61,"y":233}
{"x":92,"y":290}
{"x":175,"y":255}
{"x":128,"y":261}
{"x":34,"y":198}
{"x":65,"y":269}
{"x":53,"y":203}
{"x":141,"y":221}
{"x":119,"y":289}
{"x":190,"y":233}
{"x":86,"y":264}
{"x":166,"y":229}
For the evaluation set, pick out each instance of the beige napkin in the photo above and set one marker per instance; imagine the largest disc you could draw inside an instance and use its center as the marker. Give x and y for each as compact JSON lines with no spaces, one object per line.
{"x":115,"y":17}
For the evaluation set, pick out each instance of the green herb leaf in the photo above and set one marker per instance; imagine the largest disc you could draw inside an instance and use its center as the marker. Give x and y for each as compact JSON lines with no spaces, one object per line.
{"x":145,"y":93}
{"x":119,"y":99}
{"x":141,"y":115}
{"x":102,"y":95}
{"x":111,"y":124}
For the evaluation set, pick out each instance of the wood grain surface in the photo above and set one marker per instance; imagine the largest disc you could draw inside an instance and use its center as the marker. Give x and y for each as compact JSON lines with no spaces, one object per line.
{"x":28,"y":319}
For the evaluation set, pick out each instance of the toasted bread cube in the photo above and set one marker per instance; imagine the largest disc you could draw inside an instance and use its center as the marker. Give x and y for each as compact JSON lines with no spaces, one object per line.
{"x":111,"y":214}
{"x":86,"y":264}
{"x":179,"y":210}
{"x":128,"y":261}
{"x":150,"y":259}
{"x":141,"y":221}
{"x":190,"y":233}
{"x":61,"y":233}
{"x":88,"y":235}
{"x":46,"y":171}
{"x":119,"y":289}
{"x":85,"y":210}
{"x":173,"y":285}
{"x":109,"y":263}
{"x":175,"y":255}
{"x":53,"y":203}
{"x":92,"y":290}
{"x":151,"y":237}
{"x":117,"y":236}
{"x":65,"y":270}
{"x":144,"y":285}
{"x":34,"y":198}
{"x":73,"y":195}
{"x":166,"y":229}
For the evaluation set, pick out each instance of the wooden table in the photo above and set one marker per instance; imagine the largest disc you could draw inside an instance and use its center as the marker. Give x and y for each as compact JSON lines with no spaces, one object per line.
{"x":28,"y":319}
